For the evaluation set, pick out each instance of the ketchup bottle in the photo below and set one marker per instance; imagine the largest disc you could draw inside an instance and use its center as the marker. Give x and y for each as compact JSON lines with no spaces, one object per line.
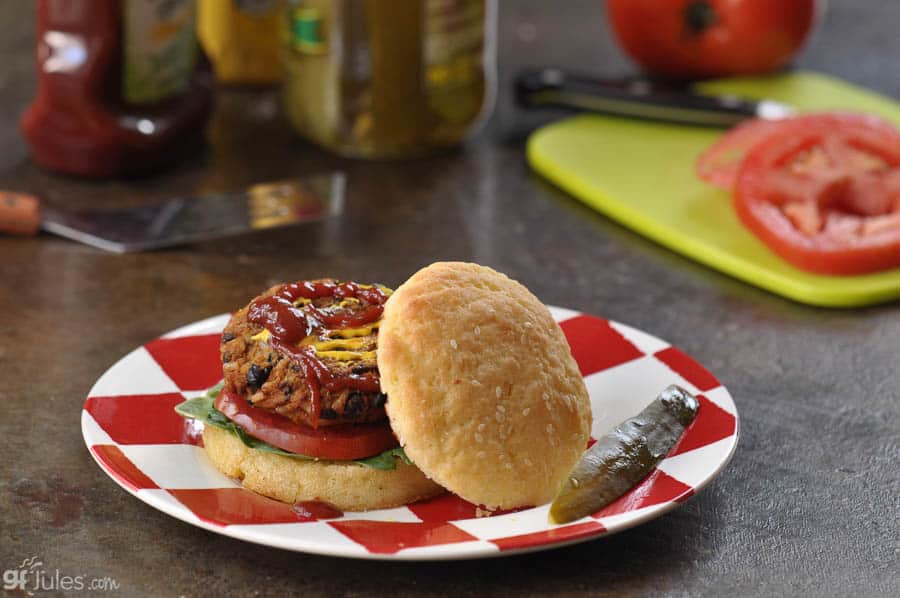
{"x":123,"y":88}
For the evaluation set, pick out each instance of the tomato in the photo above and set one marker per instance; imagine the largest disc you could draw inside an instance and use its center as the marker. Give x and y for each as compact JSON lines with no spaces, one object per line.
{"x":719,"y":165}
{"x":687,"y":39}
{"x":823,"y":192}
{"x":343,"y":442}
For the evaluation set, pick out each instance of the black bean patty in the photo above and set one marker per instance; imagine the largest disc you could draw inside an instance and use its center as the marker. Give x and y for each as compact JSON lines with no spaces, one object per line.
{"x":273,"y":381}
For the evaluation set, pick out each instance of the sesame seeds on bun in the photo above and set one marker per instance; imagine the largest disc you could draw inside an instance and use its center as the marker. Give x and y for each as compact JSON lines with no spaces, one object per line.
{"x":483,"y":392}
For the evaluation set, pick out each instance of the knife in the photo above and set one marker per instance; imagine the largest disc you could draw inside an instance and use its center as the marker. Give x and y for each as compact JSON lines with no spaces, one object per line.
{"x":639,"y":98}
{"x":181,"y":220}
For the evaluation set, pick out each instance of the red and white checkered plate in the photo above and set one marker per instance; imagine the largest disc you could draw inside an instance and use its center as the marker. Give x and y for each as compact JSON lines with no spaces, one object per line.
{"x":135,"y":436}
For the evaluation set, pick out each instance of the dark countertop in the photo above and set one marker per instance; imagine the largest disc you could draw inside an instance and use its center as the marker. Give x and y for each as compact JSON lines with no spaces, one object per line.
{"x":808,"y":506}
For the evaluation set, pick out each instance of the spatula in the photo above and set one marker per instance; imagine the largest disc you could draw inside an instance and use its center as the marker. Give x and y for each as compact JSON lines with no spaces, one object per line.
{"x":180,"y":220}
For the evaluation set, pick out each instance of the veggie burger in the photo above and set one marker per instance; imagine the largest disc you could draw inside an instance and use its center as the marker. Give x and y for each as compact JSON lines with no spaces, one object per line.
{"x":364,"y":398}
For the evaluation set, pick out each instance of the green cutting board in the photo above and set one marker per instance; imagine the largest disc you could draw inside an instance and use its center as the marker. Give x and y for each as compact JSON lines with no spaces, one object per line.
{"x":641,"y":174}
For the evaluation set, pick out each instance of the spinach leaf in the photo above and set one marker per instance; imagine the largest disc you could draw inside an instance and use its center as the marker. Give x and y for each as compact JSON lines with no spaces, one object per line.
{"x":387,"y":459}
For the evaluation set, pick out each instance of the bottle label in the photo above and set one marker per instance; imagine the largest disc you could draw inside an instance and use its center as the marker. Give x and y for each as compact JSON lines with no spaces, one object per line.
{"x":159,"y":49}
{"x":305,"y":32}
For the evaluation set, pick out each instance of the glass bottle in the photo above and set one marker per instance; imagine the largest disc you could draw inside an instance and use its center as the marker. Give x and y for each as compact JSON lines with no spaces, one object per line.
{"x":241,"y":38}
{"x":122,"y":87}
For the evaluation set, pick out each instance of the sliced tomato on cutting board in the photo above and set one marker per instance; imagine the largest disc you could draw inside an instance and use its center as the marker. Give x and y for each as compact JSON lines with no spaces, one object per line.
{"x":823,"y":192}
{"x":719,"y":165}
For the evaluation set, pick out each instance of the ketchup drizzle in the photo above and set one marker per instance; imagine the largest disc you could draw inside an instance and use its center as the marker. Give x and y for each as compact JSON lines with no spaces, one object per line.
{"x":290,"y":324}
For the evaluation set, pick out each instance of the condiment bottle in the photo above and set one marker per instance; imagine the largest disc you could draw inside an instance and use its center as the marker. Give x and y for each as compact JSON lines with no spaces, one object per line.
{"x":388,"y":79}
{"x":241,"y":38}
{"x":122,"y":87}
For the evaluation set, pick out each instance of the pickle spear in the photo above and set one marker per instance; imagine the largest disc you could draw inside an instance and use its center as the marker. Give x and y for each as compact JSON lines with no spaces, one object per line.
{"x":622,"y":458}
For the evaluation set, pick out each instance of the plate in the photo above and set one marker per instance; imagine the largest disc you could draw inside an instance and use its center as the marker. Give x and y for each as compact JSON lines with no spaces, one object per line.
{"x":133,"y":433}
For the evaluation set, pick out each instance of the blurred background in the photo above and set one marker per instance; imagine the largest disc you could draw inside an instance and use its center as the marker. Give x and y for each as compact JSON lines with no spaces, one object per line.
{"x":529,"y":33}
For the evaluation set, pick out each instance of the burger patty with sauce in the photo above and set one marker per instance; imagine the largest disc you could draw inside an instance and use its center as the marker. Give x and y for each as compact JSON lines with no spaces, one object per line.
{"x":308,"y":358}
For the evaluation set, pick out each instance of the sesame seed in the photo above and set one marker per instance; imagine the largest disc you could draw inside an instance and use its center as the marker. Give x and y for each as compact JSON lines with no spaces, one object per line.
{"x":498,"y":391}
{"x":507,"y":465}
{"x":527,"y":461}
{"x":478,"y":330}
{"x":475,"y":382}
{"x":499,"y":416}
{"x":453,"y":343}
{"x":481,"y":427}
{"x":526,"y":411}
{"x":501,"y":408}
{"x":502,"y":457}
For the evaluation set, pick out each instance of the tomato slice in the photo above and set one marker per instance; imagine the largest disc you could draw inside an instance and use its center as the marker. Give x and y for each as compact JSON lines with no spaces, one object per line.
{"x":720,"y":163}
{"x":343,"y":442}
{"x":823,"y":192}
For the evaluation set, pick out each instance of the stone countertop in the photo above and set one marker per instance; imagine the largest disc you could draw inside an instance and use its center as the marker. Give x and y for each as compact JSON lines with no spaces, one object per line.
{"x":808,"y":506}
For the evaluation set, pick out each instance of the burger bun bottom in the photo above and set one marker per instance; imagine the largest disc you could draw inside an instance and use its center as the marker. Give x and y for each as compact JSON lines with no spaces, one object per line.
{"x":346,"y":485}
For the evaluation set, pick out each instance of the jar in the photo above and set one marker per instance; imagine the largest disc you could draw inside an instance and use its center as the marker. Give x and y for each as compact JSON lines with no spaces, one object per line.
{"x":388,"y":79}
{"x":241,"y":38}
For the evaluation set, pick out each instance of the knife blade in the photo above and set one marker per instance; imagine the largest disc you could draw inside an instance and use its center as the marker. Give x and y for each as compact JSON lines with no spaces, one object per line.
{"x":181,"y":220}
{"x":639,"y":98}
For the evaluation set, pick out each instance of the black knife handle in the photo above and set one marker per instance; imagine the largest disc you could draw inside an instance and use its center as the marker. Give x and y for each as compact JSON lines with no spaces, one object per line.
{"x":637,"y":98}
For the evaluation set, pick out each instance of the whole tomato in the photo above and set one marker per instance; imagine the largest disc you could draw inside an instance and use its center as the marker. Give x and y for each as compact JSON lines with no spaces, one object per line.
{"x":687,"y":39}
